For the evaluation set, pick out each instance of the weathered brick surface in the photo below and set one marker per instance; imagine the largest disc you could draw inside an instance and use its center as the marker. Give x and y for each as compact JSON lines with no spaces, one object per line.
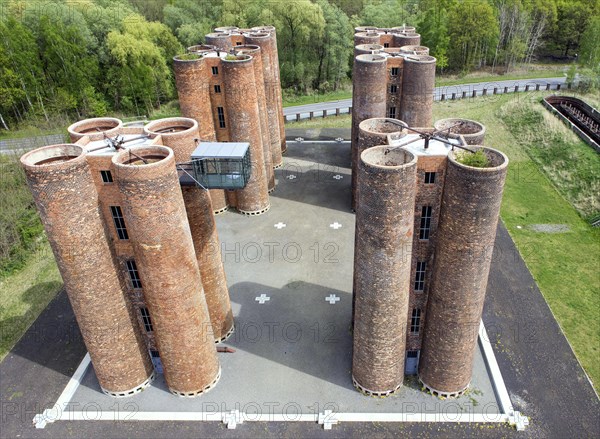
{"x":202,"y":224}
{"x":178,"y":133}
{"x":473,"y":132}
{"x":95,"y":129}
{"x":422,"y":250}
{"x":464,"y":242}
{"x":417,"y":90}
{"x":194,"y":95}
{"x":365,"y":49}
{"x":407,"y":39}
{"x":208,"y":253}
{"x":415,"y":50}
{"x":67,"y":201}
{"x":220,"y":40}
{"x":256,"y":53}
{"x":275,"y":65}
{"x":154,"y":210}
{"x":394,"y":99}
{"x":369,"y":91}
{"x":272,"y":84}
{"x":384,"y":232}
{"x":242,"y":100}
{"x":372,"y":132}
{"x":367,"y":37}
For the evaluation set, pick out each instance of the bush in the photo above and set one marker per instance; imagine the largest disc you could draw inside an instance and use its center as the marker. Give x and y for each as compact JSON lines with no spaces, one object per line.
{"x":476,"y":160}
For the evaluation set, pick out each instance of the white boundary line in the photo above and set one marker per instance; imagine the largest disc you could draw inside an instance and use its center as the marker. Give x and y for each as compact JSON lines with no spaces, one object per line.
{"x":327,"y":418}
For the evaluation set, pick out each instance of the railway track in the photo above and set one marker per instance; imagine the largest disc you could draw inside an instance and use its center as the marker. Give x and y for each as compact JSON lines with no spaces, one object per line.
{"x":584,"y":119}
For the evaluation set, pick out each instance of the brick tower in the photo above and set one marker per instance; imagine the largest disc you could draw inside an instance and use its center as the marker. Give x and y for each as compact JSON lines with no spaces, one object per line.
{"x":168,"y":267}
{"x":63,"y":189}
{"x":384,"y":231}
{"x":462,"y":263}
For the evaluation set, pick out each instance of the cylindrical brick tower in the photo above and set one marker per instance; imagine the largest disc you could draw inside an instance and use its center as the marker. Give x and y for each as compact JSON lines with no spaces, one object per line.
{"x":465,"y":239}
{"x":473,"y":132}
{"x":255,"y":52}
{"x":243,"y":112}
{"x":208,"y":252}
{"x":268,"y":49}
{"x":200,"y":48}
{"x":366,"y":37}
{"x":372,"y":132}
{"x":414,"y":50}
{"x":417,"y":90}
{"x":279,"y":101}
{"x":179,"y":133}
{"x":369,"y":92}
{"x":382,"y":263}
{"x":365,"y":49}
{"x":220,"y":40}
{"x":96,"y":129}
{"x":202,"y":224}
{"x":166,"y":261}
{"x":403,"y":29}
{"x":193,"y":92}
{"x":64,"y":192}
{"x":407,"y":39}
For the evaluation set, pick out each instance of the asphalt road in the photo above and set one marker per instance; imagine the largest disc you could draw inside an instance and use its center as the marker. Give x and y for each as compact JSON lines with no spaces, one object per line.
{"x":344,"y":104}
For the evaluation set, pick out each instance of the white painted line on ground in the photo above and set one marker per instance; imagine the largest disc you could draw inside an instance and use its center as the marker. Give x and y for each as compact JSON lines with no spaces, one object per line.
{"x":514,"y":417}
{"x":280,"y":225}
{"x":50,"y":415}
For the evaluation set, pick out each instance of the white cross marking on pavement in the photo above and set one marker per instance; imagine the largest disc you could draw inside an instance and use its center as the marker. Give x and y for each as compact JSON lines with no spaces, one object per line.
{"x":291,"y":177}
{"x":332,"y":299}
{"x":262,"y":298}
{"x":279,"y":225}
{"x":338,"y":176}
{"x":335,"y":225}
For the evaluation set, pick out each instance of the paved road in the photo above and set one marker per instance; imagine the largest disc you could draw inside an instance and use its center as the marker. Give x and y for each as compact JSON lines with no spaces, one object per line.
{"x":344,"y":104}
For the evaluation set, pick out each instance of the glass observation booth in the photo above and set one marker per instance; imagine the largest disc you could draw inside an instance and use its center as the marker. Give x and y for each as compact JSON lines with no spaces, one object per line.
{"x":222,"y":165}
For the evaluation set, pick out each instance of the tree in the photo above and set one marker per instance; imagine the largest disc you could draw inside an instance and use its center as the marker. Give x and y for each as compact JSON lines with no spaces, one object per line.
{"x":299,"y":25}
{"x":139,"y":77}
{"x":590,"y":45}
{"x":573,"y":16}
{"x":433,"y":28}
{"x":473,"y":31}
{"x":386,"y":13}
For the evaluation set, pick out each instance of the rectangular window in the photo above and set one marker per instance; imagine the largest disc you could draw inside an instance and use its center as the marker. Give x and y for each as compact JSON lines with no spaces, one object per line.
{"x":215,"y":70}
{"x":392,"y":112}
{"x":386,"y":44}
{"x":119,"y":222}
{"x":146,"y":319}
{"x":415,"y":321}
{"x":154,"y":354}
{"x":429,"y":177}
{"x":420,"y":276}
{"x":238,"y":43}
{"x":395,"y":71}
{"x":106,"y":176}
{"x":221,"y":115}
{"x":425,"y":222}
{"x":412,"y":354}
{"x":217,"y":88}
{"x":133,"y":274}
{"x":393,"y":88}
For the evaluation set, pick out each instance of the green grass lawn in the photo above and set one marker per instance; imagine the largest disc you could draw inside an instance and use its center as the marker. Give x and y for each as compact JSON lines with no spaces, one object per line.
{"x":25,"y":294}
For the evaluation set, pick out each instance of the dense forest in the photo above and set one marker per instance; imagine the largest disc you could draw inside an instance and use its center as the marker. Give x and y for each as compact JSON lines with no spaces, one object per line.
{"x":83,"y":58}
